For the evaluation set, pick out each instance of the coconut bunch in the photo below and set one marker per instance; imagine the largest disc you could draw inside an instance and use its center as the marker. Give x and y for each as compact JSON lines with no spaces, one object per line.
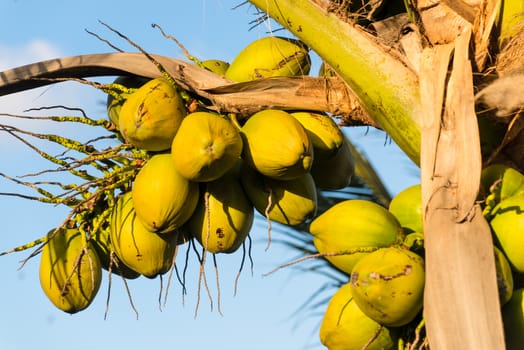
{"x":209,"y":172}
{"x":200,"y":177}
{"x":382,"y":253}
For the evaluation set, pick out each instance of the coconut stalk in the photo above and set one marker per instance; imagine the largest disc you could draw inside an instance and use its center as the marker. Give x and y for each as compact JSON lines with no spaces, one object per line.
{"x":386,"y":85}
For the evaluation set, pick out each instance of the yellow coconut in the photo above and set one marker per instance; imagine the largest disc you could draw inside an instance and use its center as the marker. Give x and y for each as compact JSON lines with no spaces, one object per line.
{"x":163,"y":199}
{"x":289,"y":202}
{"x":206,"y":146}
{"x":353,"y":228}
{"x":277,"y":145}
{"x":271,"y":56}
{"x":216,"y":66}
{"x":114,"y":105}
{"x":505,"y":281}
{"x":150,"y":117}
{"x":101,"y":241}
{"x":345,"y":327}
{"x":70,"y":270}
{"x":223,"y":217}
{"x":388,"y":285}
{"x":146,"y":252}
{"x":325,"y":135}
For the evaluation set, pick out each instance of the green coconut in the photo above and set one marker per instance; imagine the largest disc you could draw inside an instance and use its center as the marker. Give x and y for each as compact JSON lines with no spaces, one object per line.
{"x":505,"y":282}
{"x":101,"y":241}
{"x":334,"y":172}
{"x":350,"y":229}
{"x":388,"y":285}
{"x":325,"y":135}
{"x":498,"y":182}
{"x":513,"y":320}
{"x":216,"y":66}
{"x":407,"y":208}
{"x":507,"y":224}
{"x":114,"y":105}
{"x":144,"y":251}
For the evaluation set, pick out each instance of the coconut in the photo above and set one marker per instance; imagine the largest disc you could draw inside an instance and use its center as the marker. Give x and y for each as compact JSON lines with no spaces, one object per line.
{"x":513,"y":320}
{"x":114,"y":105}
{"x":70,"y":270}
{"x":216,"y":66}
{"x":345,"y":327}
{"x":223,"y":217}
{"x":206,"y":146}
{"x":271,"y":56}
{"x":144,"y":251}
{"x":505,"y":282}
{"x":334,"y":172}
{"x":289,"y":202}
{"x":325,"y":135}
{"x":150,"y":117}
{"x":498,"y":182}
{"x":276,"y":145}
{"x":507,"y":224}
{"x":163,"y":199}
{"x":388,"y":285}
{"x":407,"y":208}
{"x":101,"y":241}
{"x":350,"y":229}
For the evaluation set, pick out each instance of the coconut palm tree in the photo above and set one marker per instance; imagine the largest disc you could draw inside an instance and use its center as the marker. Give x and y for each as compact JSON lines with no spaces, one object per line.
{"x":442,"y":79}
{"x":426,"y":71}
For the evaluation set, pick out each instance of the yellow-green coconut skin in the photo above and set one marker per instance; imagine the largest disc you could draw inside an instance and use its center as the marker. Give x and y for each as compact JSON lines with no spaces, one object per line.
{"x":388,"y":285}
{"x":407,"y":208}
{"x":146,"y":252}
{"x":350,"y":229}
{"x":70,"y":270}
{"x":270,"y":56}
{"x":206,"y":146}
{"x":345,"y":327}
{"x":163,"y":199}
{"x":151,"y":116}
{"x":223,"y":217}
{"x":289,"y":202}
{"x":277,"y":145}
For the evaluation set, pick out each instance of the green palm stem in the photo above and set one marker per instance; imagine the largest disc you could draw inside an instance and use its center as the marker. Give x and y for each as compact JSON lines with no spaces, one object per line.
{"x":511,"y":19}
{"x":387,"y":87}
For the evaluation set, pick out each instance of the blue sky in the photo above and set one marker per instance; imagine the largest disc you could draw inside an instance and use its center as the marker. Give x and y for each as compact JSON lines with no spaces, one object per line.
{"x":260,"y":316}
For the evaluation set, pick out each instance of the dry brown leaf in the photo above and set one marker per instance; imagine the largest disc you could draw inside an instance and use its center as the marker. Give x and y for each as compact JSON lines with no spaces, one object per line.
{"x":441,"y":24}
{"x":305,"y":93}
{"x":461,"y":305}
{"x":483,"y":26}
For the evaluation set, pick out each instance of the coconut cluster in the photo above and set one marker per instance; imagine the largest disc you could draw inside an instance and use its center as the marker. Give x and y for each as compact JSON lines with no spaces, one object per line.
{"x":382,"y":252}
{"x":206,"y":174}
